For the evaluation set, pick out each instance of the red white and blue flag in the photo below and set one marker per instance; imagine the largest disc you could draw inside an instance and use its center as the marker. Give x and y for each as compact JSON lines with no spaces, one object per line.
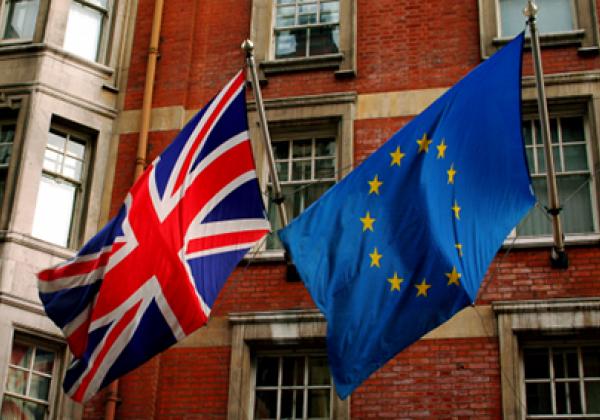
{"x":150,"y":277}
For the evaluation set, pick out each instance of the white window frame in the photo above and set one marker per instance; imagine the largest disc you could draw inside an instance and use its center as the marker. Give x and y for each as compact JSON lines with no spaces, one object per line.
{"x":4,"y":8}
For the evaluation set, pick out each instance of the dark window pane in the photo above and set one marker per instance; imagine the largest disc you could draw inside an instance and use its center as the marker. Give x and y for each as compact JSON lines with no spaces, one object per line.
{"x":536,"y":363}
{"x":575,"y":158}
{"x":16,"y":381}
{"x":291,"y":404}
{"x":572,"y":129}
{"x":591,"y":362}
{"x":324,"y":168}
{"x":324,"y":40}
{"x":21,"y":355}
{"x":527,"y":133}
{"x":325,"y":147}
{"x":7,"y":133}
{"x":330,"y":12}
{"x":40,"y":387}
{"x":281,"y":149}
{"x":575,"y":198}
{"x":285,"y":16}
{"x":302,"y":148}
{"x":554,"y":130}
{"x":538,"y":398}
{"x":293,"y":371}
{"x":44,"y":361}
{"x":318,"y":403}
{"x":267,"y":369}
{"x":530,"y":161}
{"x":301,"y":170}
{"x":574,"y":398}
{"x":592,"y":397}
{"x":266,"y":405}
{"x":282,"y":171}
{"x":290,"y":43}
{"x":565,"y":363}
{"x":318,"y":373}
{"x":16,"y":409}
{"x":561,"y":398}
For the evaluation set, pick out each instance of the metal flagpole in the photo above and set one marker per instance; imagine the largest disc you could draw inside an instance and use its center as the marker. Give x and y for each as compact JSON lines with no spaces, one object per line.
{"x":558,"y":256}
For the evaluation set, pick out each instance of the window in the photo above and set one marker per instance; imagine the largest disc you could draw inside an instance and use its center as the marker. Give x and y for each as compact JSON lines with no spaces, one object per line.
{"x":293,"y":35}
{"x":7,"y":135}
{"x":560,"y":22}
{"x":85,"y":28}
{"x":29,"y":387}
{"x":60,"y":196}
{"x":574,"y":178}
{"x":307,"y":168}
{"x":562,"y":379}
{"x":550,"y":358}
{"x":292,"y":386}
{"x":553,"y":16}
{"x":19,"y":19}
{"x":306,"y":28}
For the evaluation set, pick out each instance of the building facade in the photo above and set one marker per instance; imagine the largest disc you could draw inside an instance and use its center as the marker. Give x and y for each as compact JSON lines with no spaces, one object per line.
{"x":339,"y":77}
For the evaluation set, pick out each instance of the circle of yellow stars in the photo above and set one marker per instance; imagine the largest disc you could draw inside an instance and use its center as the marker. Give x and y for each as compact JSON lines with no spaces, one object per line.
{"x":368,"y":221}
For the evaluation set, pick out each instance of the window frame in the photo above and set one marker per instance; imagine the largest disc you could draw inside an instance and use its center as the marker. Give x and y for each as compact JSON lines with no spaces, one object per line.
{"x":79,"y":213}
{"x":54,"y":393}
{"x":519,"y":321}
{"x":584,"y":36}
{"x":106,"y":29}
{"x":262,"y":32}
{"x":40,"y":24}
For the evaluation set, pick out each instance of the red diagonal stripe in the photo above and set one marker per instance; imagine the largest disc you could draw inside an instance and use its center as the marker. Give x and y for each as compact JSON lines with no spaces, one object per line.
{"x":75,"y":268}
{"x":225,"y":239}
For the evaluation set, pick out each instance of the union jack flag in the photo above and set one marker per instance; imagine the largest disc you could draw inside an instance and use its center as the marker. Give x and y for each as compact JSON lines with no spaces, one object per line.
{"x":150,"y":277}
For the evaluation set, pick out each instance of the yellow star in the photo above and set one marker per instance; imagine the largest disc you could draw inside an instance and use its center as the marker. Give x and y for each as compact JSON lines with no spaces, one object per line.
{"x":456,"y":210}
{"x":375,"y":257}
{"x":424,"y":143}
{"x":453,"y":277}
{"x":451,"y":172}
{"x":367,"y":222}
{"x":459,"y":248}
{"x":375,"y":184}
{"x":397,"y":156}
{"x":395,"y":282}
{"x":422,"y":288}
{"x":441,"y":149}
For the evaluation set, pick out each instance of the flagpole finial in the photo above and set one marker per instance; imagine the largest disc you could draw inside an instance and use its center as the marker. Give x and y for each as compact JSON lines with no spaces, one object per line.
{"x":248,"y":46}
{"x":531,"y":10}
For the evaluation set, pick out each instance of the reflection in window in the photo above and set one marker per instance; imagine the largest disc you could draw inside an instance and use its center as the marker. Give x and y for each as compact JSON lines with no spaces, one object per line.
{"x":553,"y":16}
{"x":292,"y":387}
{"x":569,"y":148}
{"x":562,"y":380}
{"x":306,"y":28}
{"x":19,"y":19}
{"x":60,"y":187}
{"x":28,"y":382}
{"x":84,"y":28}
{"x":306,"y":169}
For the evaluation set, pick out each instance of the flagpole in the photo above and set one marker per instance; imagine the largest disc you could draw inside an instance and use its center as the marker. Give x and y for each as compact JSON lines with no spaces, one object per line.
{"x":558,"y":256}
{"x":248,"y":47}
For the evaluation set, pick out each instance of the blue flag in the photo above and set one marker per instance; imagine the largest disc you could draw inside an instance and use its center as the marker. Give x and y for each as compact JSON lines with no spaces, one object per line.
{"x":403,"y":242}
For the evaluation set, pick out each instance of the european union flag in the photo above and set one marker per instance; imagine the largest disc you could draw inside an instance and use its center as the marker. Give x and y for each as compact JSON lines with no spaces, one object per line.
{"x":403,"y":242}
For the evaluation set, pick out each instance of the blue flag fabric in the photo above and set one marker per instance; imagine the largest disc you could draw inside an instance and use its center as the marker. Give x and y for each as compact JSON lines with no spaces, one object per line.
{"x":403,"y":242}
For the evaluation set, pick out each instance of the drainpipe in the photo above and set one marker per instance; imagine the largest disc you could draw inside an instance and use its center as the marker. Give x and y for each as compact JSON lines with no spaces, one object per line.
{"x":140,"y":160}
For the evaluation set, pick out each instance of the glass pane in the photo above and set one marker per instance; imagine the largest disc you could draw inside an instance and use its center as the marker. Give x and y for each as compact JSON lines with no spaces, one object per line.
{"x":318,"y":372}
{"x":574,"y":397}
{"x":324,"y":168}
{"x":44,"y":361}
{"x":82,"y":36}
{"x":266,"y":405}
{"x":56,"y":141}
{"x":285,"y":16}
{"x":21,"y":355}
{"x":293,"y":371}
{"x":565,"y":363}
{"x":536,"y":363}
{"x":5,"y":151}
{"x":330,"y":12}
{"x":52,"y":161}
{"x":527,"y":133}
{"x":568,"y":398}
{"x":290,"y":43}
{"x":302,"y":148}
{"x":76,"y":149}
{"x":572,"y":129}
{"x":301,"y":170}
{"x":282,"y":171}
{"x":542,"y":160}
{"x":554,"y":130}
{"x":530,"y":162}
{"x":553,"y":16}
{"x":325,"y":147}
{"x":267,"y":369}
{"x":575,"y":198}
{"x":40,"y":387}
{"x":20,"y":19}
{"x":72,"y":168}
{"x":536,"y":222}
{"x":16,"y":381}
{"x":575,"y":158}
{"x":281,"y":149}
{"x":318,"y":403}
{"x":7,"y":133}
{"x":592,"y":397}
{"x":54,"y":211}
{"x":325,"y":40}
{"x":34,"y":411}
{"x":15,"y":409}
{"x":538,"y":398}
{"x":291,"y":404}
{"x":307,"y":14}
{"x":591,"y":362}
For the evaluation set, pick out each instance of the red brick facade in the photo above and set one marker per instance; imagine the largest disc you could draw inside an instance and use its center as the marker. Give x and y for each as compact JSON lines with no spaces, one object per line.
{"x":401,"y":45}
